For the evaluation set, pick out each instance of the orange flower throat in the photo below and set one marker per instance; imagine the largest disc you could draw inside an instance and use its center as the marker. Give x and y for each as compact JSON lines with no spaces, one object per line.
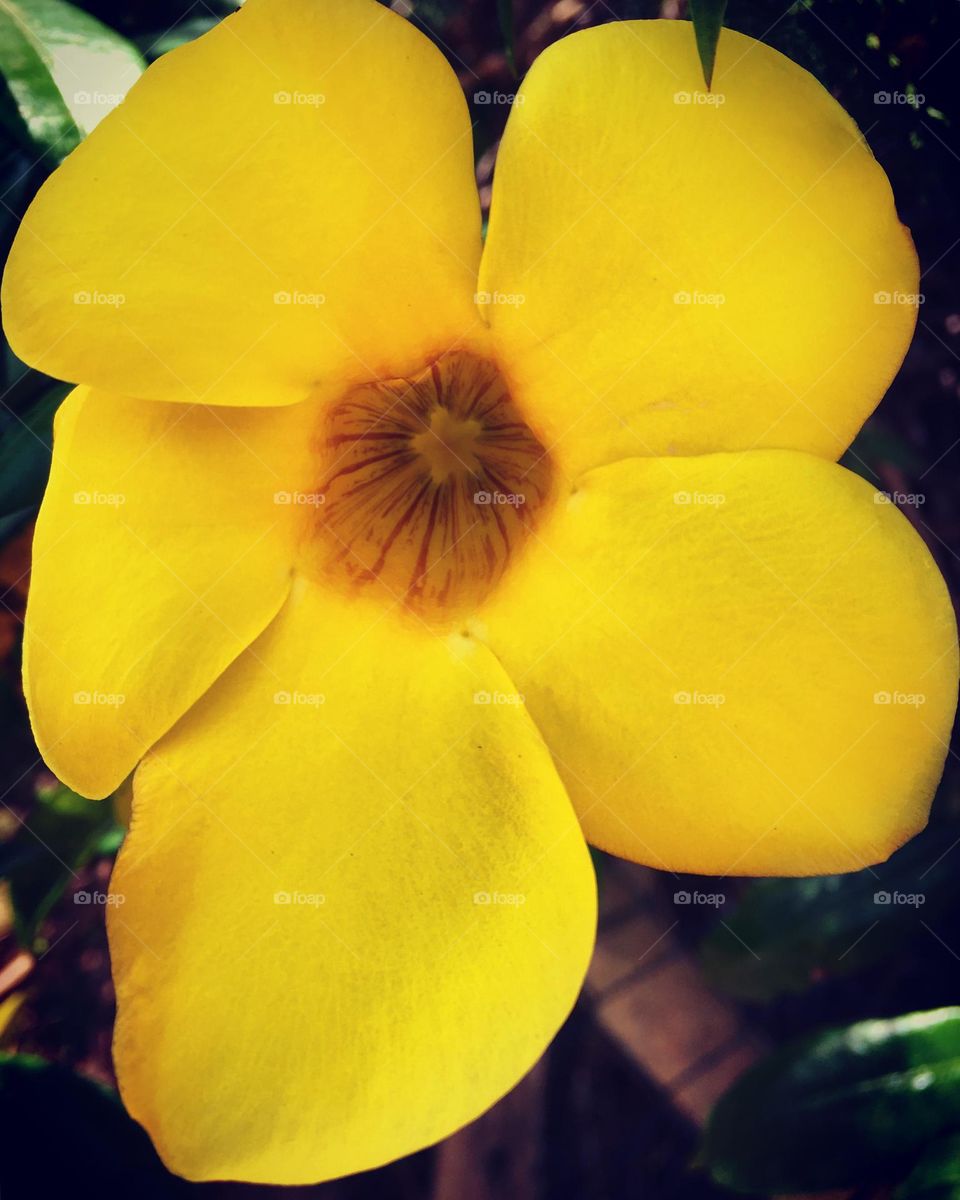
{"x":430,"y":486}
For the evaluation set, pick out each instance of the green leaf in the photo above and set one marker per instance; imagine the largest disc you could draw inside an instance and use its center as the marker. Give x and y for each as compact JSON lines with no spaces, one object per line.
{"x":64,"y":1135}
{"x":707,"y":17}
{"x":786,"y":934}
{"x":839,"y":1109}
{"x":505,"y":18}
{"x":11,"y":523}
{"x":937,"y":1175}
{"x":155,"y":45}
{"x":25,"y":447}
{"x":63,"y":70}
{"x":873,"y":446}
{"x":59,"y":837}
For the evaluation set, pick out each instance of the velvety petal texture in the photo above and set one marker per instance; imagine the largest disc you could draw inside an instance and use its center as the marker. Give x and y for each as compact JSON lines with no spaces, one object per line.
{"x":289,"y":197}
{"x":161,"y":551}
{"x":670,"y":271}
{"x":353,"y":907}
{"x":743,"y":664}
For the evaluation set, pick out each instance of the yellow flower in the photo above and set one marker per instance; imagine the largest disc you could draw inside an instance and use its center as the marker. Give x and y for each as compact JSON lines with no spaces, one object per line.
{"x":375,"y":547}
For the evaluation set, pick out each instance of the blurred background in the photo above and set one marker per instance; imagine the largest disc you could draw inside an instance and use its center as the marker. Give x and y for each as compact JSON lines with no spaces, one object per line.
{"x":719,"y":1046}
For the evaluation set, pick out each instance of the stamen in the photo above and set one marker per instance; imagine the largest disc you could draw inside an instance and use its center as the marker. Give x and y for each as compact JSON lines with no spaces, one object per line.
{"x":430,"y":487}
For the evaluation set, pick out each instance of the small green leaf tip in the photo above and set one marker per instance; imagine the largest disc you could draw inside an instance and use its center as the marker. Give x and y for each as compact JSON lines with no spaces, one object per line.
{"x":707,"y":17}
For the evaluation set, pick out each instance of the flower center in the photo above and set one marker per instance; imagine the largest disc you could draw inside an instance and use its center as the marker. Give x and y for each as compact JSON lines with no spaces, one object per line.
{"x":430,"y":486}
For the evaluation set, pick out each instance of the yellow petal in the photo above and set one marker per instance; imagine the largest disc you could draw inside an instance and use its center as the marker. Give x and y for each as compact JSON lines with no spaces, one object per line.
{"x":742,"y":663}
{"x":290,"y":197}
{"x":676,"y":272}
{"x":354,"y":905}
{"x":159,"y":555}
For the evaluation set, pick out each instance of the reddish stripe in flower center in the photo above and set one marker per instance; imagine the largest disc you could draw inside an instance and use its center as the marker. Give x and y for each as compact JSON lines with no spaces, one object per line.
{"x":431,"y":485}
